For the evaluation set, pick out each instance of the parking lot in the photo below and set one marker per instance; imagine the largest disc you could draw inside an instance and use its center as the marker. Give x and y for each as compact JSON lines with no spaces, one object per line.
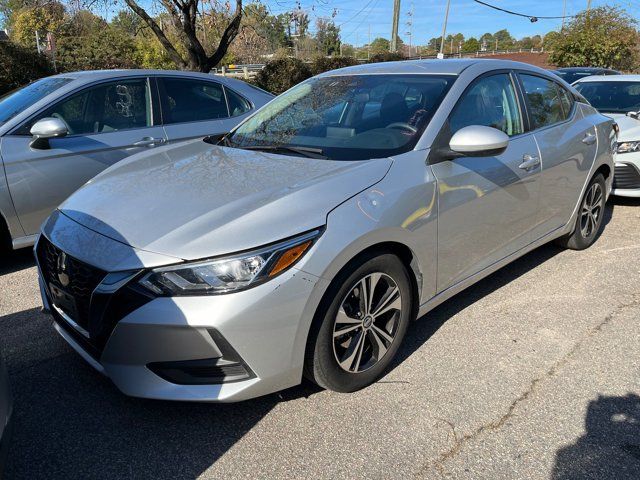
{"x":533,"y":373}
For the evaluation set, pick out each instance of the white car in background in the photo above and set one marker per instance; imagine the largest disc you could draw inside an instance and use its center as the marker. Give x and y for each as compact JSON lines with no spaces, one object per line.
{"x":619,"y":97}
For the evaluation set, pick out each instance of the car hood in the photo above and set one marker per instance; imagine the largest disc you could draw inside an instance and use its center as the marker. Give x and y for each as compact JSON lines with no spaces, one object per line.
{"x":195,"y":200}
{"x":629,"y":127}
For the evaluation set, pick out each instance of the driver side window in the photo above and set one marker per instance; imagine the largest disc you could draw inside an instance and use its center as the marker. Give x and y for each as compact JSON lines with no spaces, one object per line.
{"x":490,"y":102}
{"x":107,"y":107}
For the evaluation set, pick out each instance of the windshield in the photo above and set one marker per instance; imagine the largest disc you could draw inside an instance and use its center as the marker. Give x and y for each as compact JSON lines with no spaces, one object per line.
{"x":612,"y":97}
{"x":346,"y":117}
{"x":17,"y":101}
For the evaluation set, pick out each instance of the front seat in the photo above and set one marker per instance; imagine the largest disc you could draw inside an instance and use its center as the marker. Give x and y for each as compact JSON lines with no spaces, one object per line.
{"x":393,"y":109}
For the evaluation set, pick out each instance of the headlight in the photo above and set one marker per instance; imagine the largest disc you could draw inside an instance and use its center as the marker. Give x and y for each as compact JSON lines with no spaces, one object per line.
{"x":628,"y":147}
{"x":224,"y":275}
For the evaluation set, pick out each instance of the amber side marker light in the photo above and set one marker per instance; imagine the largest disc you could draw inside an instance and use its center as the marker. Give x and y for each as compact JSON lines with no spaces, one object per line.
{"x":289,"y":257}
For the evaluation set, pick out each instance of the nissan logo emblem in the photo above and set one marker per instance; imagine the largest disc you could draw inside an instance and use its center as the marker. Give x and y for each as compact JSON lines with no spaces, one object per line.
{"x":62,"y":269}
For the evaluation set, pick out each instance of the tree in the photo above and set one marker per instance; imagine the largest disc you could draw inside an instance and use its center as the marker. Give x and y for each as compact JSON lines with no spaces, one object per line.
{"x":504,"y":38}
{"x":183,"y":15}
{"x":380,"y":45}
{"x":327,"y":36}
{"x":472,"y":45}
{"x":26,"y":21}
{"x":604,"y":37}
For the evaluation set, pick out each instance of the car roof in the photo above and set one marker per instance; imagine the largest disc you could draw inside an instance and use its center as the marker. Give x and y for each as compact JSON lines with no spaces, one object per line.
{"x":583,"y":69}
{"x":610,"y":78}
{"x":435,"y":66}
{"x":91,"y":75}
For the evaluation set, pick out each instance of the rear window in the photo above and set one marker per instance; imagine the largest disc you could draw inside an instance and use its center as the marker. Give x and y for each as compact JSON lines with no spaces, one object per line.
{"x":19,"y":100}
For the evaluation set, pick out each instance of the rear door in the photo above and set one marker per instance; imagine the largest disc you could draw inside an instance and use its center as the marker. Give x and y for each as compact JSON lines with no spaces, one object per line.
{"x":486,"y":205}
{"x":195,"y":107}
{"x":568,"y":145}
{"x":107,"y":122}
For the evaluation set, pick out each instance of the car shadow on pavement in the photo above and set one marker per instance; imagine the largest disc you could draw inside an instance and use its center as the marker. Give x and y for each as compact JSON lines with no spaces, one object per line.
{"x":16,"y":260}
{"x":426,"y":326}
{"x":610,"y":448}
{"x":71,"y":422}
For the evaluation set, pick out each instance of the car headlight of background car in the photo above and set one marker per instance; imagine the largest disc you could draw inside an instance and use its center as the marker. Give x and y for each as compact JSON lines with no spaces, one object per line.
{"x":628,"y":147}
{"x":229,"y":274}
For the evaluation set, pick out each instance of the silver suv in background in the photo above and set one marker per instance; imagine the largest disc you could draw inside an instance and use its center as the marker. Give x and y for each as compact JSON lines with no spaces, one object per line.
{"x":59,"y":132}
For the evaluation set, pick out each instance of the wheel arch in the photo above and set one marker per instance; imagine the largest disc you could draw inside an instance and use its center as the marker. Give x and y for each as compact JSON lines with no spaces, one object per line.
{"x":399,"y":249}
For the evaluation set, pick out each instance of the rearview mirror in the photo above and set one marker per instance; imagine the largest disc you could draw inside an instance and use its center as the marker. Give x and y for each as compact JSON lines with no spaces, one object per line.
{"x":479,"y":141}
{"x":45,"y":129}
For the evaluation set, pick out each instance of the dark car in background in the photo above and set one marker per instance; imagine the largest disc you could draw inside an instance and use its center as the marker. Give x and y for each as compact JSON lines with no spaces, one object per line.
{"x":573,"y":74}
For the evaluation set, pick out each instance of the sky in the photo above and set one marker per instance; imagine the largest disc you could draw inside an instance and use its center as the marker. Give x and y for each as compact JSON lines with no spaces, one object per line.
{"x":355,"y":17}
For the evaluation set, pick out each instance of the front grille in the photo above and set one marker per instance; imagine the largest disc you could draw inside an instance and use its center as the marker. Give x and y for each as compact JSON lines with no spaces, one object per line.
{"x":626,"y":176}
{"x":94,"y":311}
{"x":82,"y":279}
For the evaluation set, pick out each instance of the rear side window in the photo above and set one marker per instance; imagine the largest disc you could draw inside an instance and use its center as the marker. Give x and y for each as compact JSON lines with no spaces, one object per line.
{"x":192,"y":100}
{"x":490,"y":102}
{"x":567,"y":101}
{"x":237,"y":104}
{"x":544,"y":100}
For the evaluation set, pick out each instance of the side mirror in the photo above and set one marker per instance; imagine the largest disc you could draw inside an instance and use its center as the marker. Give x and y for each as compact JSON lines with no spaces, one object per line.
{"x":45,"y":129}
{"x":479,"y":141}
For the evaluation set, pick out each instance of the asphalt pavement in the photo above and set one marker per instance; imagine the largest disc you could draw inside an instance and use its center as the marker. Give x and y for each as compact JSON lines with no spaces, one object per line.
{"x":534,"y":373}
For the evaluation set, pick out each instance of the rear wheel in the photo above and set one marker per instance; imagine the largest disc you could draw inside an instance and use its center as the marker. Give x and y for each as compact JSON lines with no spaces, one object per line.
{"x":360,"y":326}
{"x":590,"y":216}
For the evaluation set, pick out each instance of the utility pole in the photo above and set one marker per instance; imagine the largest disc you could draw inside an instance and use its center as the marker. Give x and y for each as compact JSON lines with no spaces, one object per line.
{"x":410,"y":25}
{"x":564,"y":13}
{"x":444,"y":29}
{"x":394,"y":27}
{"x":38,"y":42}
{"x":369,"y":45}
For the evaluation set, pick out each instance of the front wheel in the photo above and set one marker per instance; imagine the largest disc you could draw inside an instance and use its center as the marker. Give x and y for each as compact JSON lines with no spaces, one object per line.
{"x":590,"y":216}
{"x":360,"y":326}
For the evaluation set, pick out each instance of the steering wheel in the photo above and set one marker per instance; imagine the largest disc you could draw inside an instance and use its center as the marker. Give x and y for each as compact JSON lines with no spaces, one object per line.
{"x":403,"y":125}
{"x":59,"y":117}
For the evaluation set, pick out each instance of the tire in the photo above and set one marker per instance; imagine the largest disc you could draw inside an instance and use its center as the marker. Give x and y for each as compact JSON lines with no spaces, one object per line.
{"x":366,"y":342}
{"x":590,"y":216}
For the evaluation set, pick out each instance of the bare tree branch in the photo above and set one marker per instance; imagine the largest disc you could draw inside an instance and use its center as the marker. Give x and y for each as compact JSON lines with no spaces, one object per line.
{"x":228,"y":36}
{"x":162,"y":38}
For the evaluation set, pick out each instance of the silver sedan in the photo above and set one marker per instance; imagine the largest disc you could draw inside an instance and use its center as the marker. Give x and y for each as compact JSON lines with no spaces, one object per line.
{"x":306,"y":240}
{"x":58,"y":132}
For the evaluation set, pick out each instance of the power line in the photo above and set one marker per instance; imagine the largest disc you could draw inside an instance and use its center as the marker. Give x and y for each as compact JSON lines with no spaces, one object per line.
{"x":532,"y":18}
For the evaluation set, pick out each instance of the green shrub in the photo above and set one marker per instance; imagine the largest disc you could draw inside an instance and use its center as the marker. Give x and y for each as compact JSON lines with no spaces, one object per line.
{"x":281,"y":74}
{"x":20,"y":65}
{"x":386,"y":57}
{"x":324,"y":64}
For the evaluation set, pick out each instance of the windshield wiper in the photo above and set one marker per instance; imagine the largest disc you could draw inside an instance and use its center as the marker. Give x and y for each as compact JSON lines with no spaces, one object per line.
{"x":304,"y":151}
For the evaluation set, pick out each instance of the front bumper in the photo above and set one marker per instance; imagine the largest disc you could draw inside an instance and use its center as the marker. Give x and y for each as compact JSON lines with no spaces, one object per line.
{"x":261,"y":332}
{"x":626,"y":180}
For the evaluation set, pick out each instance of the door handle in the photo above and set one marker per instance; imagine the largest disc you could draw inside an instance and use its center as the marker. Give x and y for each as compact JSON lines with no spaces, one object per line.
{"x":529,"y":162}
{"x":589,"y":139}
{"x":149,"y":142}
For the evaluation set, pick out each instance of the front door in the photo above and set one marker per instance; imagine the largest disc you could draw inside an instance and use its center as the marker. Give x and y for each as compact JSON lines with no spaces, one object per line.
{"x":106,"y":123}
{"x":486,"y":205}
